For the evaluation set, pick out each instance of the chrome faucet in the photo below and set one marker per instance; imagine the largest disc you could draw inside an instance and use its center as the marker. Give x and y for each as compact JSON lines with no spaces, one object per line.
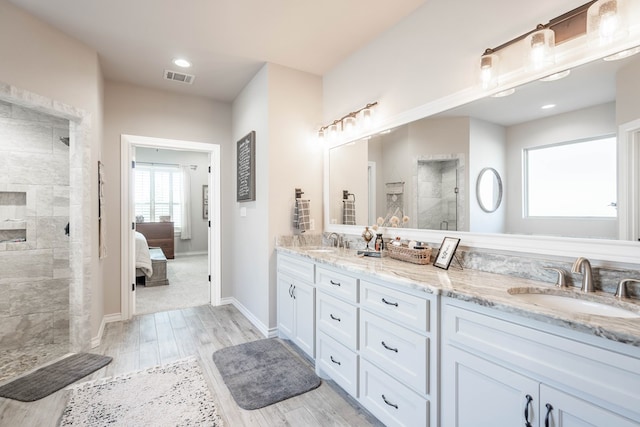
{"x":582,"y":265}
{"x":621,"y":292}
{"x":335,"y":239}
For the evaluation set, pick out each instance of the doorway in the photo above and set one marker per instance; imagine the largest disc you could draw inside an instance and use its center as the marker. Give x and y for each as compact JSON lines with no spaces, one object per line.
{"x":193,"y":271}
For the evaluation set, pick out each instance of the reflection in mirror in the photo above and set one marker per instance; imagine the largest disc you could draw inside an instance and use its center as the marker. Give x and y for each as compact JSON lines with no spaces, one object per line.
{"x":591,"y":102}
{"x":489,"y":190}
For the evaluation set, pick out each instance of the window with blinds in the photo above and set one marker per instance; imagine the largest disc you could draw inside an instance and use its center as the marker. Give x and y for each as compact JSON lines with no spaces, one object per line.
{"x":158,"y":192}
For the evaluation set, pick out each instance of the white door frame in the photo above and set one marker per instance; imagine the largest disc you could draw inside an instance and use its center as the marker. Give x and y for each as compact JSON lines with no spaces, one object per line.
{"x":628,"y":184}
{"x":127,"y":144}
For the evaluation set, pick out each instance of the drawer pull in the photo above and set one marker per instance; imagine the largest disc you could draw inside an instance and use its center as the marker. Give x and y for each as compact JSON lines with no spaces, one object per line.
{"x":546,"y":418}
{"x":389,"y":403}
{"x":527,"y":423}
{"x":334,"y":283}
{"x":389,"y":348}
{"x":334,"y":360}
{"x":290,"y":290}
{"x":395,"y":304}
{"x":334,"y":318}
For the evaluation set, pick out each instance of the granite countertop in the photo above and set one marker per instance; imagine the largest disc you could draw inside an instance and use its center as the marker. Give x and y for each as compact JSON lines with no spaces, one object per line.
{"x":486,"y":289}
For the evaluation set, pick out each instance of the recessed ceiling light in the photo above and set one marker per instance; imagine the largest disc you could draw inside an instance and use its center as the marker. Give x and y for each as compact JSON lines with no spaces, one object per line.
{"x":556,"y":76}
{"x":548,"y":106}
{"x":384,"y":132}
{"x":180,"y":62}
{"x":504,"y":93}
{"x":624,"y":54}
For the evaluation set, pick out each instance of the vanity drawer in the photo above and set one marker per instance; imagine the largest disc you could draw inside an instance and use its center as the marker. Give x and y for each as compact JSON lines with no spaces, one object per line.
{"x":337,"y":284}
{"x":399,"y":351}
{"x":390,"y":401}
{"x":409,"y":310}
{"x":338,"y":319}
{"x":297,"y":268}
{"x":340,"y":363}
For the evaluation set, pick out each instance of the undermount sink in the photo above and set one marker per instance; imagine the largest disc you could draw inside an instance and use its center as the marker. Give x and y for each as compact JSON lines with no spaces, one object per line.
{"x":572,"y":304}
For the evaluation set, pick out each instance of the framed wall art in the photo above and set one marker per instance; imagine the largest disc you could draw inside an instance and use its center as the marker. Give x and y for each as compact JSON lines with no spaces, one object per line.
{"x":246,"y":168}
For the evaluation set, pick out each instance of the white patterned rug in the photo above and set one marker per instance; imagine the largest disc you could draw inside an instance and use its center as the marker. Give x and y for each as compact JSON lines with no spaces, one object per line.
{"x":171,"y":395}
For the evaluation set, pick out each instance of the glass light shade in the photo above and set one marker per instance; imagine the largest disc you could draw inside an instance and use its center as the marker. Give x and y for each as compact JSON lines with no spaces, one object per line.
{"x":489,"y":69}
{"x":333,"y":131}
{"x":366,"y":118}
{"x":349,"y":125}
{"x":606,"y":22}
{"x":321,"y":135}
{"x":540,"y":47}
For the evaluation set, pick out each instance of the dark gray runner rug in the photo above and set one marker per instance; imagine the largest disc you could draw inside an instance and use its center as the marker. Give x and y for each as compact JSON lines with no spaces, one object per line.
{"x":263,"y":372}
{"x":52,"y":378}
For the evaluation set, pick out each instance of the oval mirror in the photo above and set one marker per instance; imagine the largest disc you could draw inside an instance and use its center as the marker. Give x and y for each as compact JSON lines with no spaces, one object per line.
{"x":489,"y":190}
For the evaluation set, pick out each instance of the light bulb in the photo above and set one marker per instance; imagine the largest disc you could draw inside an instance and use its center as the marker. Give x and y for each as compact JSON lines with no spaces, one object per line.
{"x":367,"y":119}
{"x":333,"y":131}
{"x":349,"y":125}
{"x":606,"y":22}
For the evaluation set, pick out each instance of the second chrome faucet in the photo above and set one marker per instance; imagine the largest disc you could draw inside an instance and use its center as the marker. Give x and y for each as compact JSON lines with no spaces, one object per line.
{"x":582,"y":265}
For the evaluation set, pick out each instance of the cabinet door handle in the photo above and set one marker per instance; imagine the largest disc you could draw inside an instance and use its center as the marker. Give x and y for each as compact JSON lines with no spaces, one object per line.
{"x":389,"y":348}
{"x":527,"y":423}
{"x":395,"y":304}
{"x":334,"y":318}
{"x":334,"y":283}
{"x":290,"y":290}
{"x":389,"y":403}
{"x":546,"y":418}
{"x":293,"y":292}
{"x":335,"y":361}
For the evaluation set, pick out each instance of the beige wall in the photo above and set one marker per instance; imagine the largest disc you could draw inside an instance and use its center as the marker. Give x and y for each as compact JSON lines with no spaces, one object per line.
{"x":628,"y":93}
{"x":134,"y":110}
{"x":283,"y":106}
{"x":41,"y":59}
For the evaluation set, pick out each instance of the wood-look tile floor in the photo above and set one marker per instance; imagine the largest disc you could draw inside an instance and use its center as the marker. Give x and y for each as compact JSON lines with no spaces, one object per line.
{"x":154,"y":339}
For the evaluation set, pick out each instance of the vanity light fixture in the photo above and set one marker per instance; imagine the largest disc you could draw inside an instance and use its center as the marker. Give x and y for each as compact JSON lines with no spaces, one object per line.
{"x":556,"y":76}
{"x":349,"y":122}
{"x":181,"y":62}
{"x":602,"y":21}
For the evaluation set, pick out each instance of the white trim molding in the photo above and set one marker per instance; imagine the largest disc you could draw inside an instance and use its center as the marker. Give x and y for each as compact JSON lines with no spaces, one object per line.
{"x":107,"y":318}
{"x":264,"y":330}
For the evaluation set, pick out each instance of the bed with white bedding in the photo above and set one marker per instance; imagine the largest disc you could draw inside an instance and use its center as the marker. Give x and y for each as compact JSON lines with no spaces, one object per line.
{"x":143,"y":258}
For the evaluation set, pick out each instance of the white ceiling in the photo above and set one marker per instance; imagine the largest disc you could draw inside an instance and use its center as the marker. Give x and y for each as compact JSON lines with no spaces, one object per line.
{"x":226,"y":40}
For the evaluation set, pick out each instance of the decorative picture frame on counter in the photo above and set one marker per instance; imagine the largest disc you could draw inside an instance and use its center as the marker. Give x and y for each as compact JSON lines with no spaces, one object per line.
{"x":446,"y":252}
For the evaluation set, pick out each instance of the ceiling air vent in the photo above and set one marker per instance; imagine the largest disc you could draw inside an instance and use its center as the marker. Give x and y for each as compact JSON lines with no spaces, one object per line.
{"x":179,"y":77}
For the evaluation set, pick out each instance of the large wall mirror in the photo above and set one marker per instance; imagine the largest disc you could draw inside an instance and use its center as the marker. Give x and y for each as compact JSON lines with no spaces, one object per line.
{"x":553,"y":143}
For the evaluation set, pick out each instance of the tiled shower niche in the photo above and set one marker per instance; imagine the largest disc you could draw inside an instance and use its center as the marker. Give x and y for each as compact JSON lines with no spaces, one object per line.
{"x":13,"y":216}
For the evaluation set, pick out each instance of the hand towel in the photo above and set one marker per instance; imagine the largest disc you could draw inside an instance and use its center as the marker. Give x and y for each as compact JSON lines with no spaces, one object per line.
{"x":301,"y":215}
{"x":349,"y":212}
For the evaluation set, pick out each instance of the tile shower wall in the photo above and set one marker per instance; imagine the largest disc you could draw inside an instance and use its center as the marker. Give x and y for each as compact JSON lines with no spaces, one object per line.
{"x":437,"y":201}
{"x":34,"y":190}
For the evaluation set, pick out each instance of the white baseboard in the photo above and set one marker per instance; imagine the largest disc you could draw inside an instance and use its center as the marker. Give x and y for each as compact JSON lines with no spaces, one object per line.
{"x":264,"y":330}
{"x":108,"y":318}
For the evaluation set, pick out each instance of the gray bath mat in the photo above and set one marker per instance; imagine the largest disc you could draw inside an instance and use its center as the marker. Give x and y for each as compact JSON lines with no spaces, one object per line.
{"x":54,"y":377}
{"x":263,"y":372}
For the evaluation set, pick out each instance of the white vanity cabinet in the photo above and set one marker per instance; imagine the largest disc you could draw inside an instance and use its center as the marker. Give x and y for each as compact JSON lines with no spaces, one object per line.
{"x":337,"y":321}
{"x":398,"y":352}
{"x":503,"y":370}
{"x":296,"y":302}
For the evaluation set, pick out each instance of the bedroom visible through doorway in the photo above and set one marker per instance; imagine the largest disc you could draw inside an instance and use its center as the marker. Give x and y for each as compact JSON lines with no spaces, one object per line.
{"x":171,"y":211}
{"x":170,"y":217}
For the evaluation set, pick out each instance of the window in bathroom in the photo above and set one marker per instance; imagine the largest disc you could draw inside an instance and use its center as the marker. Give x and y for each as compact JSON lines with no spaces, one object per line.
{"x":574,"y":179}
{"x":158,"y":193}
